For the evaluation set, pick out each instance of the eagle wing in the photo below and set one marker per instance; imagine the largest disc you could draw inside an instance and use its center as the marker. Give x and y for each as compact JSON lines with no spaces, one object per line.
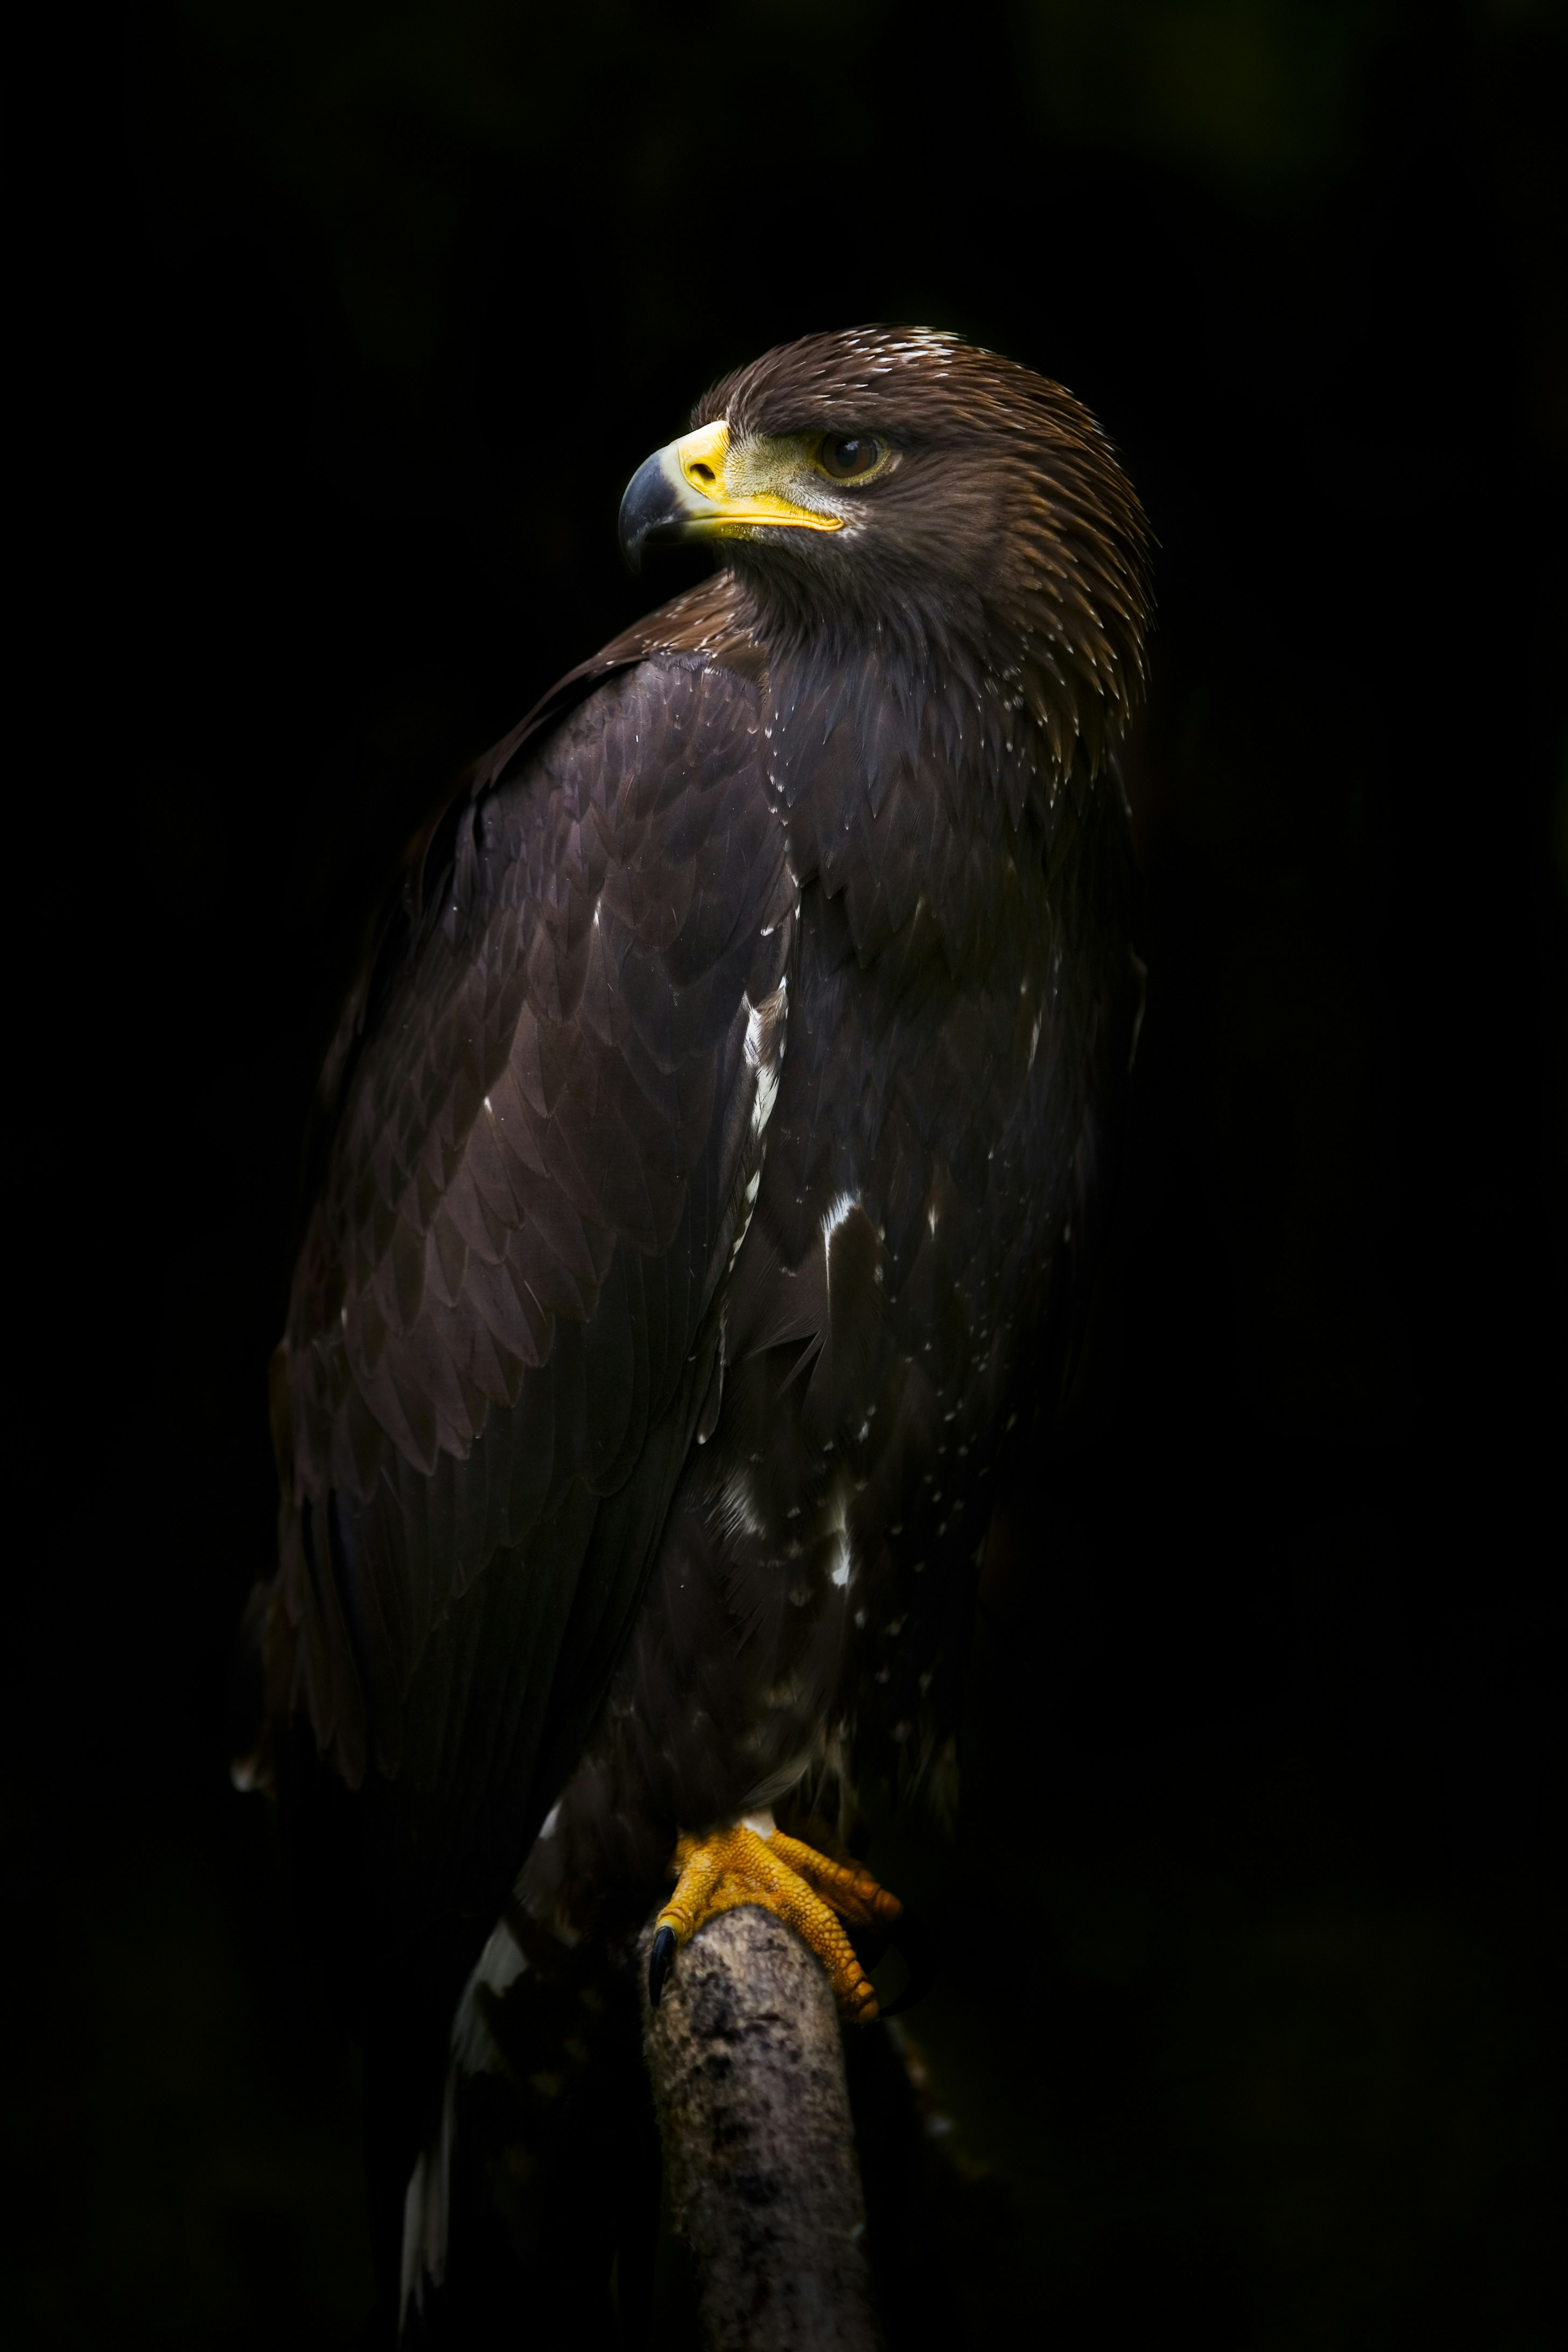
{"x":504,"y":1329}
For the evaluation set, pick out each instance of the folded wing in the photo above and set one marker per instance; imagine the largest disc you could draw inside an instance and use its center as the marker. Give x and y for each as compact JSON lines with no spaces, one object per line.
{"x":504,"y":1325}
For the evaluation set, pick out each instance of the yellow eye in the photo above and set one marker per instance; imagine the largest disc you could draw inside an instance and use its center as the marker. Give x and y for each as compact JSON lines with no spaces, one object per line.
{"x":843,"y":457}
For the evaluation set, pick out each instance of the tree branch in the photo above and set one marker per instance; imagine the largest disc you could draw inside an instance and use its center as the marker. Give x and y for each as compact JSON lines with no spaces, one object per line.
{"x":759,"y":2150}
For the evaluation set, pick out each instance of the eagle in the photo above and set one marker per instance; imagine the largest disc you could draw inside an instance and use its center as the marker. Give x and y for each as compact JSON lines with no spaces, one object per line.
{"x":705,"y":1152}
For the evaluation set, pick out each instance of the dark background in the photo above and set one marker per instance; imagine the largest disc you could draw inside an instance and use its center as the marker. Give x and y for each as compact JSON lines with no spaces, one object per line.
{"x":1253,"y":1918}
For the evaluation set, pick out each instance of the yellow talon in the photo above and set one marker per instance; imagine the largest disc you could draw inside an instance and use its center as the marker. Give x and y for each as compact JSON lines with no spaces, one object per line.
{"x":732,"y":1868}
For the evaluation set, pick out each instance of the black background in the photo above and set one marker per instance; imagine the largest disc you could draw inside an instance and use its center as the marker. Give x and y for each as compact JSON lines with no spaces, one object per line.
{"x":1253,"y":1919}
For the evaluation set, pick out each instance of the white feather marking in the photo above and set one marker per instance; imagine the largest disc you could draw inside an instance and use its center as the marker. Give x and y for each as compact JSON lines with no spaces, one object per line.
{"x":427,"y":2199}
{"x":837,"y":1212}
{"x":737,"y":1507}
{"x":836,"y":1524}
{"x":765,"y":1051}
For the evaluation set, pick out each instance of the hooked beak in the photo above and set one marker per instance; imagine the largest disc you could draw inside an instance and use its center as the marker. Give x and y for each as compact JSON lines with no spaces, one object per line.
{"x":683,"y":492}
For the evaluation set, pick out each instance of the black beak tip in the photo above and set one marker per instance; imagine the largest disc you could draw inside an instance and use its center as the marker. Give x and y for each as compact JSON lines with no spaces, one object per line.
{"x":647,"y":505}
{"x":658,"y":1962}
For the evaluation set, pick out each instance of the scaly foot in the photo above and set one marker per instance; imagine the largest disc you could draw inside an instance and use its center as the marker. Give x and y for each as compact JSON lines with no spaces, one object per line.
{"x":754,"y":1862}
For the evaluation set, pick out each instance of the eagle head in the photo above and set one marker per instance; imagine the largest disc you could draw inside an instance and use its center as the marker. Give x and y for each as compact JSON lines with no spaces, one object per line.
{"x":897,"y":488}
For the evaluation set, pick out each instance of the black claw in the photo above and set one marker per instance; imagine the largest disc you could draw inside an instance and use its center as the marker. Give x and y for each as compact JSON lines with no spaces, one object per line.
{"x":659,"y":1961}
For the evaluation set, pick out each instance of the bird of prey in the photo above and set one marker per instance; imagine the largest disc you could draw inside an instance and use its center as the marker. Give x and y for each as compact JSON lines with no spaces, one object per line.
{"x":707,"y":1141}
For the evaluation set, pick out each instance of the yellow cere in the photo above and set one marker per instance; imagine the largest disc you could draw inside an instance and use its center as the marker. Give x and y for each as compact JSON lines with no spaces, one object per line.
{"x":706,"y":467}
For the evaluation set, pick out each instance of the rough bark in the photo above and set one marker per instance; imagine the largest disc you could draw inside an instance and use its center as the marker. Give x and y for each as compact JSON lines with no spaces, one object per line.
{"x":748,"y":2078}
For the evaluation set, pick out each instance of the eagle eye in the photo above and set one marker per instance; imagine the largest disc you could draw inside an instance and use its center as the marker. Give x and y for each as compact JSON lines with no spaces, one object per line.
{"x":844,"y":457}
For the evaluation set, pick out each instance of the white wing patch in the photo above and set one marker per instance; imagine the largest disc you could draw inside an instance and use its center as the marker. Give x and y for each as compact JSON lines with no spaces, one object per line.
{"x":765,"y":1051}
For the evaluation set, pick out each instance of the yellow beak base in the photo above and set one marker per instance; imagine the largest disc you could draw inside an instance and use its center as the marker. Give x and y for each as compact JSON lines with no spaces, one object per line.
{"x":698,"y":488}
